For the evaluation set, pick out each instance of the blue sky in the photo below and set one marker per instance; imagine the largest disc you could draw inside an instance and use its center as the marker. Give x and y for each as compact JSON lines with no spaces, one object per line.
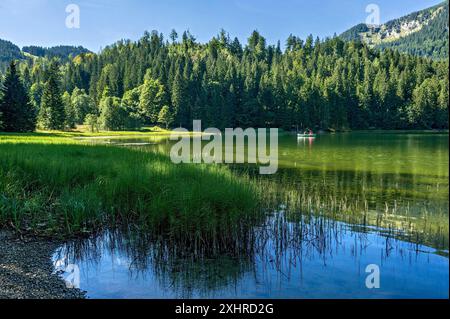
{"x":103,"y":22}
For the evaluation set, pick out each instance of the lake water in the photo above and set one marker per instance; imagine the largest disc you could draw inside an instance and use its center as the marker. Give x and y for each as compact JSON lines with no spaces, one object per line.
{"x":399,"y":180}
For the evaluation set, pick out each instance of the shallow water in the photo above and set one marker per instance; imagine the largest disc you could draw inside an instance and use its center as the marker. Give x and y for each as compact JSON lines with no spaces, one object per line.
{"x":402,"y":176}
{"x":326,"y":261}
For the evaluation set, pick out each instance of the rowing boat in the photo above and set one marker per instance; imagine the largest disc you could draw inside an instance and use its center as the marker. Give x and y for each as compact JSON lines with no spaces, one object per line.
{"x":306,"y":135}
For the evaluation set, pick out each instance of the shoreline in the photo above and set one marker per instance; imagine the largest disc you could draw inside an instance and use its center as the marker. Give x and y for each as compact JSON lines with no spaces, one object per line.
{"x":26,"y":270}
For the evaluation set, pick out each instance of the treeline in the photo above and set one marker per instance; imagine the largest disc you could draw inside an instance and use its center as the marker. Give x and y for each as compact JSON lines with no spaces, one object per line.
{"x":43,"y":105}
{"x":328,"y":84}
{"x":62,"y":52}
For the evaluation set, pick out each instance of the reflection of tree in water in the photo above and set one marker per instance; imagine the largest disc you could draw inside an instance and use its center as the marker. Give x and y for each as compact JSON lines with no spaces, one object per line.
{"x":281,"y":243}
{"x":410,"y":206}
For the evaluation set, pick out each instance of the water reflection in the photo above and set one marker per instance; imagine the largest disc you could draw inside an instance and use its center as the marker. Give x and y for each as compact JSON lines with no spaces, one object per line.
{"x":311,"y":258}
{"x":306,"y":141}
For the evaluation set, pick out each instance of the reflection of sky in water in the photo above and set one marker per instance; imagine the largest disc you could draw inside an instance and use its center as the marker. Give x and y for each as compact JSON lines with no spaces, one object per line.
{"x":330,"y":268}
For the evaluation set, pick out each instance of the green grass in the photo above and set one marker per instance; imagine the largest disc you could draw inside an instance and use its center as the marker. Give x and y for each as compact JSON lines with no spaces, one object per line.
{"x":54,"y":185}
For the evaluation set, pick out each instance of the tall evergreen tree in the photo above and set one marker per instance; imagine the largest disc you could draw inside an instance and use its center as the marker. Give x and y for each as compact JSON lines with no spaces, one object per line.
{"x":18,"y":115}
{"x":70,"y":115}
{"x":52,"y":113}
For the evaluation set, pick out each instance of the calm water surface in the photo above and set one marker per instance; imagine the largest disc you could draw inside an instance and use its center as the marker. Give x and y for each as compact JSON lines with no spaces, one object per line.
{"x":402,"y":176}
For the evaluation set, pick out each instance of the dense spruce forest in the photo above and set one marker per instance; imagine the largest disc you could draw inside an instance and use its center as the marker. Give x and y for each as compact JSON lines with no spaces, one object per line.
{"x":312,"y":83}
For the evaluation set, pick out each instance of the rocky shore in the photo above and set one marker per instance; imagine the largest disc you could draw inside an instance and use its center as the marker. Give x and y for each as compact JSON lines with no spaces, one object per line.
{"x":26,"y":270}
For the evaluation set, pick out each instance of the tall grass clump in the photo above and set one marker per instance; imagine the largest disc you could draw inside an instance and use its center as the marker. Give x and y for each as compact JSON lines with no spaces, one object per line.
{"x":68,"y":189}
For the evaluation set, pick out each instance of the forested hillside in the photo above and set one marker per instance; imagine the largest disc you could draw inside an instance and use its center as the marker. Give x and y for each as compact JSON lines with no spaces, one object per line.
{"x":8,"y":52}
{"x":423,"y":33}
{"x":430,"y":41}
{"x":63,"y":52}
{"x":328,"y":84}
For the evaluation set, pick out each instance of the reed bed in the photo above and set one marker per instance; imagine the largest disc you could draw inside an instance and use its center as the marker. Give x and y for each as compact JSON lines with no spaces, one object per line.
{"x":64,"y":188}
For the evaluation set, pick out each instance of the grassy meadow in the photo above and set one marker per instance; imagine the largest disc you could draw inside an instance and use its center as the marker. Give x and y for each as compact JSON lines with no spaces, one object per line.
{"x":54,"y":185}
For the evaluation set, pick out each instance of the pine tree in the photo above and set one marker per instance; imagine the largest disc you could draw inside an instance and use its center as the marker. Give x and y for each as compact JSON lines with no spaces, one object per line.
{"x":36,"y":91}
{"x":18,"y":115}
{"x":70,"y":115}
{"x":178,"y":100}
{"x":52,"y":114}
{"x":173,"y":35}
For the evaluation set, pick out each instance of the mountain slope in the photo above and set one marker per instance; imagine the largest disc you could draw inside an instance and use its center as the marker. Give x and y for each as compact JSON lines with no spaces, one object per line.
{"x":423,"y":33}
{"x":63,"y":52}
{"x":8,"y":52}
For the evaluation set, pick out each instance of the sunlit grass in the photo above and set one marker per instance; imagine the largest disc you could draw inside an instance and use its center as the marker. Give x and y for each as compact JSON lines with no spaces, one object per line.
{"x":54,"y":185}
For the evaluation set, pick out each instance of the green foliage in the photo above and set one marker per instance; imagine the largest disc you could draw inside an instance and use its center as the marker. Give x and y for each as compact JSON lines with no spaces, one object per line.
{"x":112,"y":115}
{"x":52,"y":112}
{"x":131,"y":104}
{"x":8,"y":52}
{"x":92,"y":121}
{"x":151,"y":98}
{"x":17,"y":113}
{"x":328,"y":84}
{"x":82,"y":105}
{"x":62,"y":52}
{"x":165,"y":117}
{"x":354,"y":33}
{"x":36,"y":91}
{"x":69,"y":111}
{"x":119,"y":114}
